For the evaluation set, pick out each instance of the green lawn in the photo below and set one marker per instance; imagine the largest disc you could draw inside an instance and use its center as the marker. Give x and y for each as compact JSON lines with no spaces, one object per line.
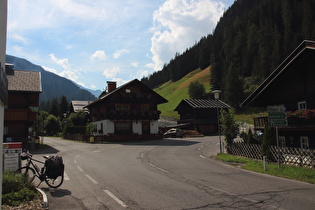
{"x":175,"y":92}
{"x":291,"y":172}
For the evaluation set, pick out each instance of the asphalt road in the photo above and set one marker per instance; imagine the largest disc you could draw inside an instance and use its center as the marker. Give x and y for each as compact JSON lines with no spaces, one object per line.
{"x":165,"y":174}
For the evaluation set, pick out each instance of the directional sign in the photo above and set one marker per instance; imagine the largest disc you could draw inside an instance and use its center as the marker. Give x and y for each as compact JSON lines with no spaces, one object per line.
{"x":280,"y":108}
{"x":277,"y":115}
{"x":277,"y":119}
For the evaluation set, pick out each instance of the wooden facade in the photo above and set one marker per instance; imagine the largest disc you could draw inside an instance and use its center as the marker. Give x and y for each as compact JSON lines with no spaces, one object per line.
{"x":291,"y":85}
{"x":200,"y":114}
{"x":24,"y":88}
{"x":129,"y":109}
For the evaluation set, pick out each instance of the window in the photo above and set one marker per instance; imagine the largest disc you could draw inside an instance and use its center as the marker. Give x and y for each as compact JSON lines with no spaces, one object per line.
{"x":302,"y":105}
{"x":282,"y":141}
{"x":128,"y":91}
{"x":304,"y":142}
{"x":123,"y":127}
{"x":120,"y":107}
{"x":145,"y":107}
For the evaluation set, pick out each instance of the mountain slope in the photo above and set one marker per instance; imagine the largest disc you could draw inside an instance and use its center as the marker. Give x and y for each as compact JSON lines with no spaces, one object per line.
{"x":52,"y":84}
{"x":174,"y":92}
{"x":248,"y":43}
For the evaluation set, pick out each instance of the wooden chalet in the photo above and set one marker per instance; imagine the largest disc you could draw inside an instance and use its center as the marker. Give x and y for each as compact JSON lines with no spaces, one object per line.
{"x":127,"y":112}
{"x":200,"y":114}
{"x":79,"y":106}
{"x":24,"y":88}
{"x":292,"y":86}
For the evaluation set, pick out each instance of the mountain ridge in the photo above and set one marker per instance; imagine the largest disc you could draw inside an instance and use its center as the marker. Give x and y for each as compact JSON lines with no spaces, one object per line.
{"x":53,"y":85}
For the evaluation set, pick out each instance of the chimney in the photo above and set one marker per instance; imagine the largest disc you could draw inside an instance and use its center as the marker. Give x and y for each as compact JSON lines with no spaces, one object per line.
{"x":111,"y":86}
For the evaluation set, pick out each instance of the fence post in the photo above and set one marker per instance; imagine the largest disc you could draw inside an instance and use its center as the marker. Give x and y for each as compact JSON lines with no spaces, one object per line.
{"x":265,"y":162}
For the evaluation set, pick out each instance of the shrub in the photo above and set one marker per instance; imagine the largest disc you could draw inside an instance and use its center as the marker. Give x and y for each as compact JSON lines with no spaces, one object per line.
{"x":16,"y":189}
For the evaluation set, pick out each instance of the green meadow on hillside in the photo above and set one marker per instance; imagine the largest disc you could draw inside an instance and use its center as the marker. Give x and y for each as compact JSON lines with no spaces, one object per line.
{"x":174,"y":92}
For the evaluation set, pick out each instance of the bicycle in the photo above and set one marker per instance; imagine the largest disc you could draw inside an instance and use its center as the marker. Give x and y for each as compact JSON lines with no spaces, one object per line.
{"x":34,"y":171}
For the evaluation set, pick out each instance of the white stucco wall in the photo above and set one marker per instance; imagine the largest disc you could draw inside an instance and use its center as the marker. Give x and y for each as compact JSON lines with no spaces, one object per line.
{"x":137,"y":127}
{"x":109,"y":127}
{"x":154,"y":126}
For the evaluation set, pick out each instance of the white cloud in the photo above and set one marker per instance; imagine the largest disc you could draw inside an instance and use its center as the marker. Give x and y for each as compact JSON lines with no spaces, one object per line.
{"x":69,"y":75}
{"x":111,"y":73}
{"x":62,"y":62}
{"x":118,"y":53}
{"x":178,"y":24}
{"x":142,"y":73}
{"x":134,"y":64}
{"x":99,"y":54}
{"x":50,"y":69}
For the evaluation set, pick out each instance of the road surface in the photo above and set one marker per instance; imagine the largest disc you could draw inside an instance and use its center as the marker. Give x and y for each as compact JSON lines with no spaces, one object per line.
{"x":165,"y":174}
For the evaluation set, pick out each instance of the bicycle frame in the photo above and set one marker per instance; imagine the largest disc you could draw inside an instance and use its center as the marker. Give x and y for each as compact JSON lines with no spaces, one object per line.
{"x":39,"y":172}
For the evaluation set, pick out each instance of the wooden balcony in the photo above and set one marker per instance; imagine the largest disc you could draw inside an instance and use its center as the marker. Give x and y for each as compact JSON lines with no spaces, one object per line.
{"x":261,"y":122}
{"x":19,"y":115}
{"x":133,"y":115}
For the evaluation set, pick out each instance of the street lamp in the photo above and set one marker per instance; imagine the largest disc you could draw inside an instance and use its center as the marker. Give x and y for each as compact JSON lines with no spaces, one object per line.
{"x":216,"y":97}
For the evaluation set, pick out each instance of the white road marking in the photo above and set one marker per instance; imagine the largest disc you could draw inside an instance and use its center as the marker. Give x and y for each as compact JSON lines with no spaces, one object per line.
{"x":80,"y":169}
{"x":91,"y":179}
{"x":120,"y":202}
{"x":161,"y":169}
{"x":65,"y":176}
{"x":202,"y":156}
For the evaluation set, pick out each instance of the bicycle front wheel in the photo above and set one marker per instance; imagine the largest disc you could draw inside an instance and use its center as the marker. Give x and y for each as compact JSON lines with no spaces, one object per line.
{"x":28,"y":172}
{"x":54,"y":183}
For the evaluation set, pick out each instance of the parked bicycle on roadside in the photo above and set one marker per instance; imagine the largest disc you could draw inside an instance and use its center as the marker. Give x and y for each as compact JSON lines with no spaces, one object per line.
{"x":52,"y":171}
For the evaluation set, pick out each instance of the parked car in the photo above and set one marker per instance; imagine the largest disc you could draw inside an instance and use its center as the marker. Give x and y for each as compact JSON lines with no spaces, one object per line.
{"x":173,"y":133}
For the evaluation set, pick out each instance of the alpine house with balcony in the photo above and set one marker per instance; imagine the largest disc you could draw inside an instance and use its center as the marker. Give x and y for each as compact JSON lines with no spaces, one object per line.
{"x":291,"y":86}
{"x":127,"y":112}
{"x":24,"y":88}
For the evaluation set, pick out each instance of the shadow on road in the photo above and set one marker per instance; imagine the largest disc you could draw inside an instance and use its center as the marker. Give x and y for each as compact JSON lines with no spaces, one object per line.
{"x":44,"y":149}
{"x":57,"y":193}
{"x":162,"y":142}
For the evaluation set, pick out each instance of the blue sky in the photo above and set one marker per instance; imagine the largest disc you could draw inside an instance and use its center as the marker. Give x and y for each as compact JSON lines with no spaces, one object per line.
{"x":94,"y":41}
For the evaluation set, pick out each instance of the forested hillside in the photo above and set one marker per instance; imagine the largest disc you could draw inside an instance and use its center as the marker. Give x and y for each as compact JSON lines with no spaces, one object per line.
{"x":248,"y":43}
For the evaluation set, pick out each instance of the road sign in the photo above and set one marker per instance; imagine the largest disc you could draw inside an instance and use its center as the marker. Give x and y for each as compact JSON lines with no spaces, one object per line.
{"x":277,"y":119}
{"x":280,"y":108}
{"x":277,"y":116}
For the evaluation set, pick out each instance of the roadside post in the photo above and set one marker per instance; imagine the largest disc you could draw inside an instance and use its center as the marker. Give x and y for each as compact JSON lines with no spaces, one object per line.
{"x":277,"y":117}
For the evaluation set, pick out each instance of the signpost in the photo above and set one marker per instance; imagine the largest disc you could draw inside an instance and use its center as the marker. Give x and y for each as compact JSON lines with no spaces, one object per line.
{"x":277,"y":117}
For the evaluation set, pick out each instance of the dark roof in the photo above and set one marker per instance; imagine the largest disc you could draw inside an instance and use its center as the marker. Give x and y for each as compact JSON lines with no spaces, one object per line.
{"x":258,"y":97}
{"x":104,"y":97}
{"x":204,"y":104}
{"x":24,"y":81}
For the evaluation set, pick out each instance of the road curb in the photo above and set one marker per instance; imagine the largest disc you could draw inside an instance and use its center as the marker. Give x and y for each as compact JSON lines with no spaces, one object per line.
{"x":45,"y":200}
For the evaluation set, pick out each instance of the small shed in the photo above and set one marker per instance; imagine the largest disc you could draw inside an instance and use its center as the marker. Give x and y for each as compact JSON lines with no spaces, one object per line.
{"x":201,"y":114}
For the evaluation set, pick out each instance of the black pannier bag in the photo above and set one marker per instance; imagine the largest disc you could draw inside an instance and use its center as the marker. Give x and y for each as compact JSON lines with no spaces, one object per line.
{"x":54,"y":167}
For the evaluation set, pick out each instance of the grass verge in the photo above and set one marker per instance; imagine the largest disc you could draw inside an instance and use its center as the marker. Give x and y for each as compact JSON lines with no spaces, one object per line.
{"x":16,"y":189}
{"x":291,"y":172}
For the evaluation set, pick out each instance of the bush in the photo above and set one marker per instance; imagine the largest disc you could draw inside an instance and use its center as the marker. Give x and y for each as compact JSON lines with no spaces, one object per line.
{"x":16,"y":189}
{"x":74,"y":130}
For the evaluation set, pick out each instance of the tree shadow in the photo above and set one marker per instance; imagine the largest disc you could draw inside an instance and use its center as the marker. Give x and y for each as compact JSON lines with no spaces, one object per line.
{"x":57,"y":193}
{"x":162,"y":142}
{"x":44,"y":149}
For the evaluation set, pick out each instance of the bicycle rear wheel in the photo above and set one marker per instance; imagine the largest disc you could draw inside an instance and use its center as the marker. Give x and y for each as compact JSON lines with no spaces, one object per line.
{"x":28,"y":172}
{"x":54,"y":183}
